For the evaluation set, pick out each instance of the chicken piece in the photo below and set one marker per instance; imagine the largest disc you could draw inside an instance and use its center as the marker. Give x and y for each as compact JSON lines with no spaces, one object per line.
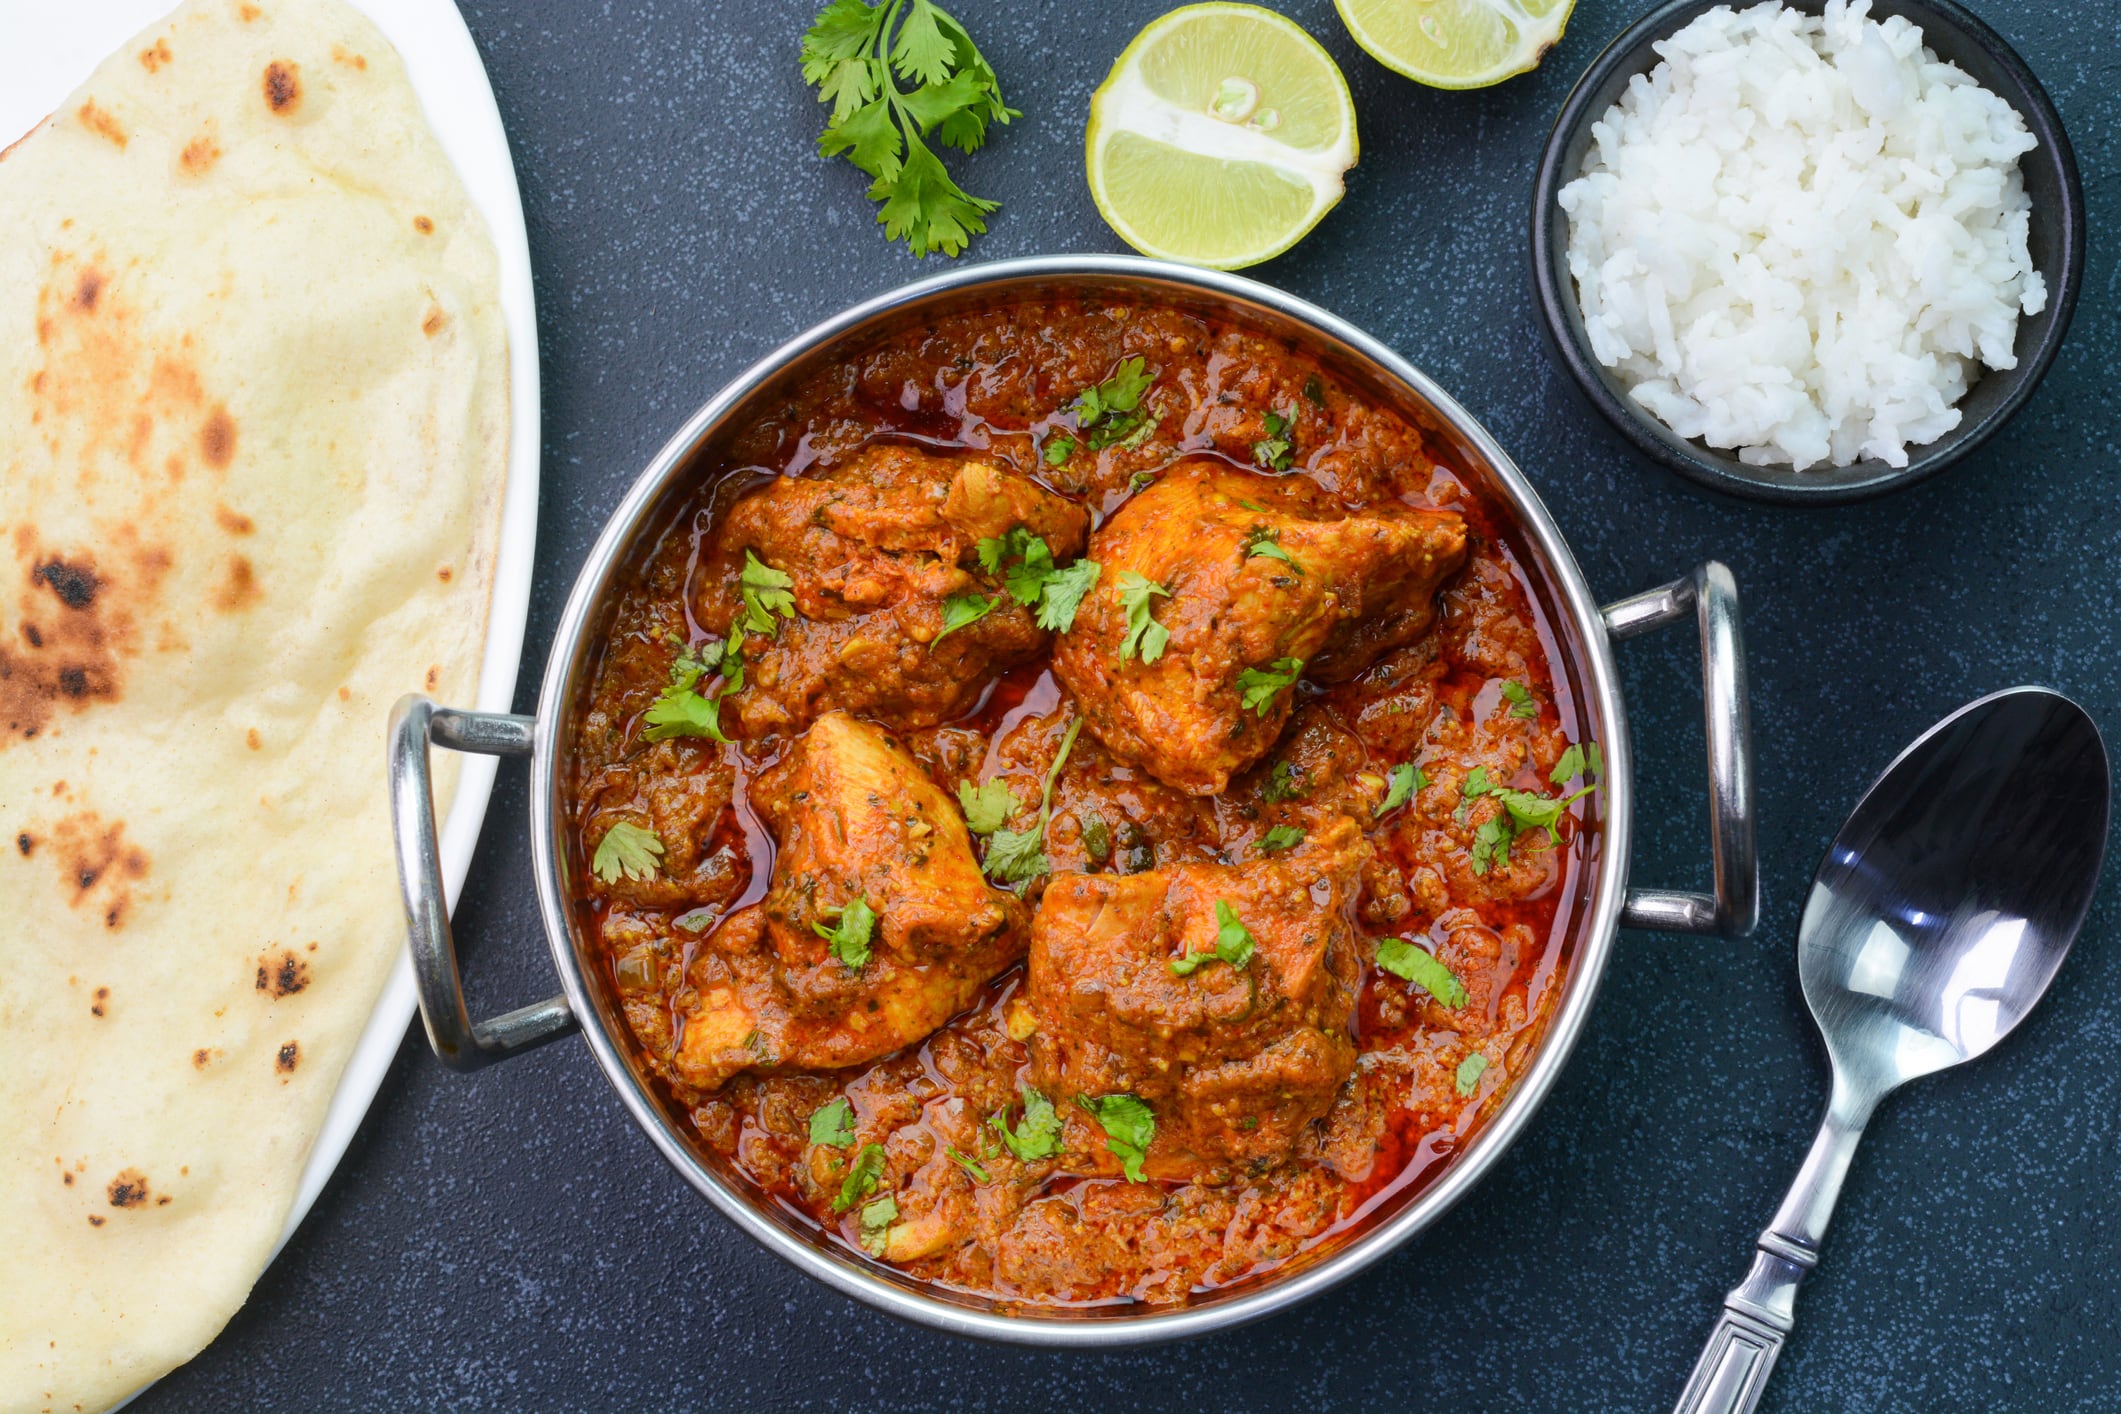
{"x":1256,"y":571}
{"x":1234,"y":1061}
{"x":874,"y":548}
{"x":854,"y":818}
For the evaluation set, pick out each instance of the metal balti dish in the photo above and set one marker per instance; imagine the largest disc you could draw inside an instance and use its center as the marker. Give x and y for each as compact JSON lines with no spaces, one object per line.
{"x":1584,"y":670}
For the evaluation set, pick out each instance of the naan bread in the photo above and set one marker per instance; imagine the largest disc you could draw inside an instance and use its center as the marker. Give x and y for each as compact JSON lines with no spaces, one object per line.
{"x":253,"y":408}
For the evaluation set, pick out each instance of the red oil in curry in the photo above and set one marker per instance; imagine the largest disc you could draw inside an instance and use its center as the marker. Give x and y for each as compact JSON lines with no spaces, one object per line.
{"x":964,"y":388}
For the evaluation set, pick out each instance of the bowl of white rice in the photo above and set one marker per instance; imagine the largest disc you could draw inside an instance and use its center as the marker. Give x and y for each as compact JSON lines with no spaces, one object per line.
{"x":1808,"y":252}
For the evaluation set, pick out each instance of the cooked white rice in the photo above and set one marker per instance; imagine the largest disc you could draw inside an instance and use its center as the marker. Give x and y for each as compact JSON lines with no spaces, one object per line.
{"x":1795,"y":236}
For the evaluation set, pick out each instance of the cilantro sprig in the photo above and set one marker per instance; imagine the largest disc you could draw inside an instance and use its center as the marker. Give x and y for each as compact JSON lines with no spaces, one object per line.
{"x":1258,"y":687}
{"x":1038,"y":1136}
{"x":1129,"y":1126}
{"x":765,"y":591}
{"x":832,"y":1125}
{"x":1272,"y":451}
{"x":1524,"y":810}
{"x":1019,"y":856}
{"x":1145,"y":636}
{"x":681,"y":709}
{"x":857,"y":55}
{"x":1417,"y":965}
{"x":960,"y":610}
{"x":850,"y":931}
{"x":1400,"y":784}
{"x":1264,"y":543}
{"x":1279,"y":838}
{"x":627,"y":851}
{"x":1233,"y":945}
{"x":1109,"y":414}
{"x":1024,"y":563}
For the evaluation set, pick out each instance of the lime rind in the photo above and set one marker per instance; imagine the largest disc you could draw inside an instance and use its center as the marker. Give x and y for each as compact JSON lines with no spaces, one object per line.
{"x":1455,"y":44}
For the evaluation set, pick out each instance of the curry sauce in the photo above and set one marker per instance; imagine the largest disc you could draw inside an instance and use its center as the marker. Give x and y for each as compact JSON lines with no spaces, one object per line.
{"x":1218,"y":766}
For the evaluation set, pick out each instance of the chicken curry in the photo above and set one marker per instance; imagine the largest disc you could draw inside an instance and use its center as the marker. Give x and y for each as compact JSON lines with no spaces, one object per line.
{"x":1078,"y":806}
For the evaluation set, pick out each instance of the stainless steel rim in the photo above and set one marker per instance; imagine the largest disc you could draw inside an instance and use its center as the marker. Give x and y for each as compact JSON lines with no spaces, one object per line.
{"x":1101,"y":1332}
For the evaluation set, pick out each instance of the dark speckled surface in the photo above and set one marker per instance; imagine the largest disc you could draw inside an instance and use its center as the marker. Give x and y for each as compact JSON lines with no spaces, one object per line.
{"x":509,"y":1240}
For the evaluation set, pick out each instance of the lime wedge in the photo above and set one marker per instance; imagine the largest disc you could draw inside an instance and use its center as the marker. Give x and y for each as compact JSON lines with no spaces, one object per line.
{"x":1456,"y":43}
{"x":1220,"y":137}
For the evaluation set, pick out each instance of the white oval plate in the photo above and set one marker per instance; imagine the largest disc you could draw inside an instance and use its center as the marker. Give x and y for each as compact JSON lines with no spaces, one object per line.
{"x":46,"y":51}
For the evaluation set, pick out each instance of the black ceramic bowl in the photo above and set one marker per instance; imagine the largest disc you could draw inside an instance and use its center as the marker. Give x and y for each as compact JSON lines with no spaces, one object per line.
{"x":2056,"y":244}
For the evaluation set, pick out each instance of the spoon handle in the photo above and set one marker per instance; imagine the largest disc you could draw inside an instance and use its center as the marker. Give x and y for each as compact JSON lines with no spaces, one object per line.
{"x":1760,"y":1311}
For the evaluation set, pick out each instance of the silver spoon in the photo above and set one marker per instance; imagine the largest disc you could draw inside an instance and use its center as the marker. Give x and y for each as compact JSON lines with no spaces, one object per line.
{"x":1935,"y":923}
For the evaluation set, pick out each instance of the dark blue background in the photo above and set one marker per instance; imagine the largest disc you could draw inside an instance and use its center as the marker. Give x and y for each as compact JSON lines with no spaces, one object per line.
{"x":510,"y":1240}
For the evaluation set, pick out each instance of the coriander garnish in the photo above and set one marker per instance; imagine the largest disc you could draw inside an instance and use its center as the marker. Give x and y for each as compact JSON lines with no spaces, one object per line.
{"x":1019,"y":856}
{"x":876,"y":1221}
{"x":1520,"y":699}
{"x":1145,"y":635}
{"x":1038,"y":1136}
{"x":1400,"y":783}
{"x":1404,"y":959}
{"x":960,"y":610}
{"x":850,"y":934}
{"x":1129,"y":1126}
{"x":680,"y":709}
{"x":629,"y":851}
{"x":1279,"y":838}
{"x":1264,"y":543}
{"x":1258,"y":687}
{"x":1233,"y":944}
{"x":856,"y":55}
{"x":832,"y":1125}
{"x":862,"y":1174}
{"x":1469,"y":1072}
{"x":765,"y":592}
{"x":1272,"y":450}
{"x":987,"y":806}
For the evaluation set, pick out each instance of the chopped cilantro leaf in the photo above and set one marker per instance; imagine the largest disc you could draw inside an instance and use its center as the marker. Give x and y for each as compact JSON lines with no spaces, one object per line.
{"x":1469,"y":1072}
{"x":1233,"y":944}
{"x":987,"y":806}
{"x":1417,"y":965}
{"x":1264,"y":543}
{"x":850,"y":935}
{"x":765,"y":592}
{"x":971,"y":1166}
{"x":1059,"y":449}
{"x":1038,"y":1136}
{"x":877,"y":1218}
{"x":1491,"y":843}
{"x":1520,"y":699}
{"x":1062,"y":594}
{"x":627,"y":850}
{"x":1119,"y":393}
{"x":1033,"y":562}
{"x":888,"y":92}
{"x":1314,"y":391}
{"x":1279,"y":838}
{"x":1141,"y":480}
{"x":1281,"y":783}
{"x":1019,"y":856}
{"x":960,"y":610}
{"x":1258,"y":687}
{"x":1272,"y":450}
{"x":861,"y":1177}
{"x":1144,"y":634}
{"x":1129,"y":1126}
{"x":1400,"y":783}
{"x":833,"y":1125}
{"x":698,"y":920}
{"x":1581,"y":759}
{"x":680,"y":709}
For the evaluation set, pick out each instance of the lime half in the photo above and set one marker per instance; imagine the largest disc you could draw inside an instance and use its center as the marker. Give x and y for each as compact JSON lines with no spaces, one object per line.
{"x":1456,"y":43}
{"x":1220,"y":137}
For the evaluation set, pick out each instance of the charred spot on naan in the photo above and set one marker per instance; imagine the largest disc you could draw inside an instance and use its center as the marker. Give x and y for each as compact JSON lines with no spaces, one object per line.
{"x":234,"y":522}
{"x":199,"y":155}
{"x":340,"y":54}
{"x":282,"y":974}
{"x":100,"y":122}
{"x":97,"y":865}
{"x":283,"y":86}
{"x":290,"y":1056}
{"x":238,"y":587}
{"x":155,"y":56}
{"x":71,"y":627}
{"x":128,"y":1189}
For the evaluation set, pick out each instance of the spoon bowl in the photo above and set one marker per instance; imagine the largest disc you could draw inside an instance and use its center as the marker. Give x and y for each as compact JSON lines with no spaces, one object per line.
{"x":1949,"y":899}
{"x":1935,"y":923}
